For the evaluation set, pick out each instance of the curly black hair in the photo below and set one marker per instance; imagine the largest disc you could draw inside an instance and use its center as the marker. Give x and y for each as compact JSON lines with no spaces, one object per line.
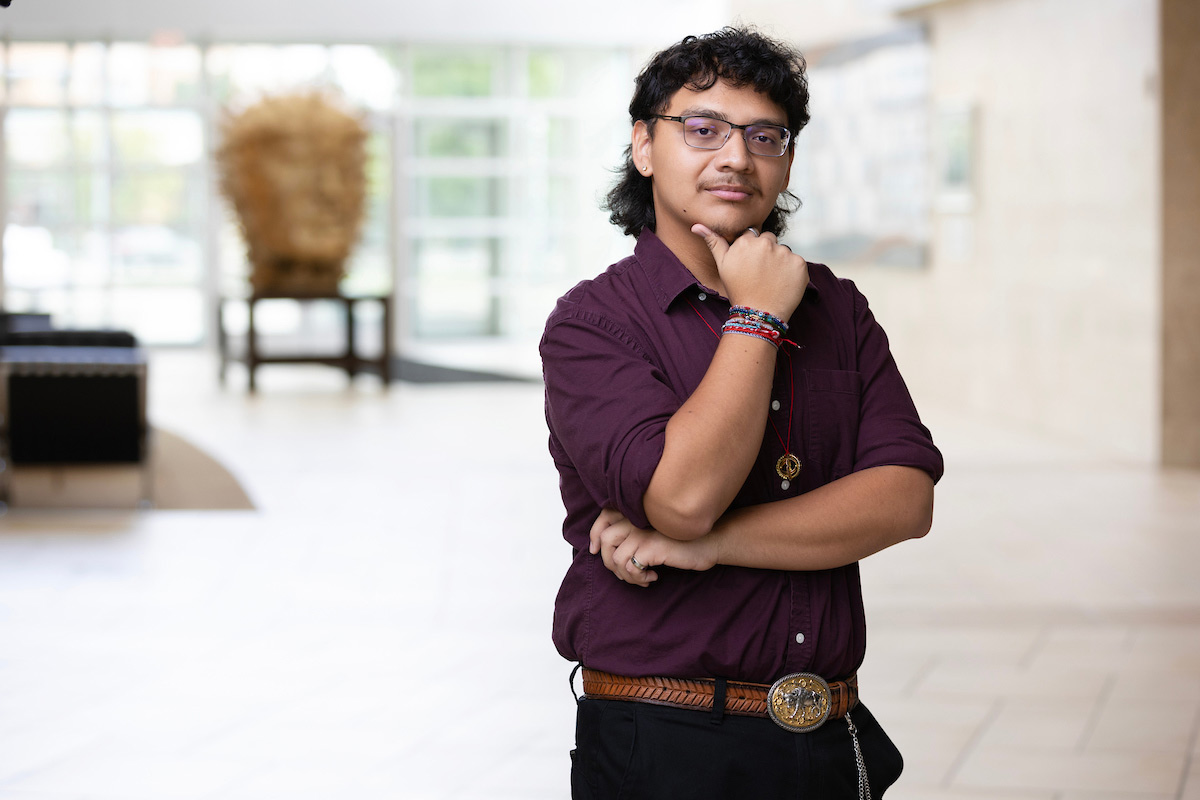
{"x":739,"y":56}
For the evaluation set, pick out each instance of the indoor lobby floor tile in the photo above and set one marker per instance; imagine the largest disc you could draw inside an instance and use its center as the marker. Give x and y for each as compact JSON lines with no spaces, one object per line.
{"x":378,"y":627}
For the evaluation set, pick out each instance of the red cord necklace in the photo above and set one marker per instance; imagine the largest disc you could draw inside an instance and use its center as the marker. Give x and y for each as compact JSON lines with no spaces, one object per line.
{"x":788,"y":466}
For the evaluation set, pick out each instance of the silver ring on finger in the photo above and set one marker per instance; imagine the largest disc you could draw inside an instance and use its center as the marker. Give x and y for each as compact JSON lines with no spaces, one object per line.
{"x":638,"y":564}
{"x":753,"y":230}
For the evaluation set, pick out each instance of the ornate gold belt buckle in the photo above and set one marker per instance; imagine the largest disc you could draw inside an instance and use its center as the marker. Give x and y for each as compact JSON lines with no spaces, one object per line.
{"x":799,"y":702}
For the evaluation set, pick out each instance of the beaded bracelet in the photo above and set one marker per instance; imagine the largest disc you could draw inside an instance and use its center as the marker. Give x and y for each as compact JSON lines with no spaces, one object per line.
{"x":758,"y":331}
{"x":754,"y":313}
{"x":757,"y":336}
{"x":752,"y":322}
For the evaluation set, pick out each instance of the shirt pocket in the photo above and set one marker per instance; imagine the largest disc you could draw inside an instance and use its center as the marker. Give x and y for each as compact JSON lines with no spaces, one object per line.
{"x":832,"y":399}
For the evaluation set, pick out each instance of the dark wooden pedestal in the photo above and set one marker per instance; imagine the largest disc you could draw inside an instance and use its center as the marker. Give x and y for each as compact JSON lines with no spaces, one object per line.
{"x":349,"y":360}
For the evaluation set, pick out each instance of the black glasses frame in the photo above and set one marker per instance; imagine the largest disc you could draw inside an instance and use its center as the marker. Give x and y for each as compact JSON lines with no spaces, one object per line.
{"x":784,"y":140}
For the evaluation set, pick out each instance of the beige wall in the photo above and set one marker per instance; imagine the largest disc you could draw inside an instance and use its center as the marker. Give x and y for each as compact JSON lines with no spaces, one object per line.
{"x":1041,"y":302}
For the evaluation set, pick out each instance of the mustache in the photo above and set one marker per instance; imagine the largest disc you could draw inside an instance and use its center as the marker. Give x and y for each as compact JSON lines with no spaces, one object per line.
{"x":730,"y":183}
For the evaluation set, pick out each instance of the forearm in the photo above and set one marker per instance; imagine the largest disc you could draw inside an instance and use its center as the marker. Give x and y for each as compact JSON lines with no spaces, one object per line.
{"x":837,"y":524}
{"x":834,"y":525}
{"x":712,"y":440}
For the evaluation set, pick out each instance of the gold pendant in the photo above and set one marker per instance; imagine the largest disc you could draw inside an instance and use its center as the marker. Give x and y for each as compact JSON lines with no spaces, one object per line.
{"x":787,"y":467}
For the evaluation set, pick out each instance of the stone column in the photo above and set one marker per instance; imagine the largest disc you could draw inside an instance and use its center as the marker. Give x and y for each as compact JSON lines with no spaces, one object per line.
{"x":1180,"y":46}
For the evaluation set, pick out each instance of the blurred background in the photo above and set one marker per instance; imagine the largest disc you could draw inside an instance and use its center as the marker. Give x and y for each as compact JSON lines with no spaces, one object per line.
{"x":997,"y":169}
{"x":1015,"y":185}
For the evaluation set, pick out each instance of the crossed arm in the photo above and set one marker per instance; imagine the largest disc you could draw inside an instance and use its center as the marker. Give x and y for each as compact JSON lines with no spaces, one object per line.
{"x":834,"y":525}
{"x":710,"y":446}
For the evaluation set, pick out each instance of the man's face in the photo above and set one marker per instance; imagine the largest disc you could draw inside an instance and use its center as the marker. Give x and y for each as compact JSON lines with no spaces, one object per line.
{"x":728,"y":190}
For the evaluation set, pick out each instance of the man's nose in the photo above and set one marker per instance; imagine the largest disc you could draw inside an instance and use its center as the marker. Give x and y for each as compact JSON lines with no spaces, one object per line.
{"x":734,"y":154}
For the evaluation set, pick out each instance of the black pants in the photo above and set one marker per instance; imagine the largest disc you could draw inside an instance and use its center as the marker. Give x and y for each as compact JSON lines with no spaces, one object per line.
{"x":634,"y":750}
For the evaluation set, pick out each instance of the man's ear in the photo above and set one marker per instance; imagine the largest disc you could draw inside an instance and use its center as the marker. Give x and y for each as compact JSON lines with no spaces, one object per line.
{"x":641,"y":148}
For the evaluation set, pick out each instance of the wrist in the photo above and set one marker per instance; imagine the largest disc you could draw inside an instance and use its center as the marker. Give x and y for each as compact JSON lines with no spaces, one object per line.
{"x":780,"y":311}
{"x":713,"y":548}
{"x":748,"y":321}
{"x":758,"y":315}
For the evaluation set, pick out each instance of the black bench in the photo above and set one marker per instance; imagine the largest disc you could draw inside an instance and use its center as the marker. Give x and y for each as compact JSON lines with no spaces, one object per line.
{"x":71,"y":397}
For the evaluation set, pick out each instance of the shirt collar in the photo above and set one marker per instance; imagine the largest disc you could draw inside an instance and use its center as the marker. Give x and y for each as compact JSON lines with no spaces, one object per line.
{"x":667,"y":275}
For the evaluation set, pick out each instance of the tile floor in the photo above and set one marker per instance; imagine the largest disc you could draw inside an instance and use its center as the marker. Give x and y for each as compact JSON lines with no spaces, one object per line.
{"x":378,"y":628}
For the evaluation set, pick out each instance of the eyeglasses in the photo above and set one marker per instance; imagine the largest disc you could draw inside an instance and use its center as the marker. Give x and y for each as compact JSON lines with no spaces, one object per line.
{"x":706,"y":133}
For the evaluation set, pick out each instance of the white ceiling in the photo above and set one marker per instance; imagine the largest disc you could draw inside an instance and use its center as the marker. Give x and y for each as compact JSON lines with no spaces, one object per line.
{"x":646,"y":22}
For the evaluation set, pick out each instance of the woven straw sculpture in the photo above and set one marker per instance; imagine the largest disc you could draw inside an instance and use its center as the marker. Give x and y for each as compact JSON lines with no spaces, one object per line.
{"x":294,"y":168}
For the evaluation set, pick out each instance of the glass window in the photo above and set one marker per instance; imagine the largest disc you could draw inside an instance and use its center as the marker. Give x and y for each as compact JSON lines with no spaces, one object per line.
{"x":232,"y":265}
{"x":34,"y":258}
{"x":865,"y":156}
{"x":108,"y":173}
{"x":37,"y":72}
{"x":459,"y":138}
{"x":150,"y":74}
{"x":155,"y":255}
{"x":453,"y":296}
{"x":561,"y":141}
{"x":457,"y":197}
{"x":438,"y":73}
{"x":174,"y":75}
{"x":155,"y":197}
{"x":160,"y":314}
{"x":369,"y":270}
{"x":91,"y":197}
{"x":36,"y":138}
{"x":158,"y":137}
{"x":83,"y":308}
{"x":89,"y":138}
{"x":563,"y":198}
{"x":90,"y":257}
{"x":86,"y":85}
{"x":547,"y":74}
{"x":43,"y":301}
{"x":41,"y":198}
{"x":242,"y":72}
{"x":567,"y":74}
{"x":367,"y":76}
{"x":129,"y":74}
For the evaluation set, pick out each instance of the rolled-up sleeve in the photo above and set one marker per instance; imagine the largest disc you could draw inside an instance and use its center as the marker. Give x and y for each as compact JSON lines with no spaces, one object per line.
{"x":890,"y":431}
{"x":607,"y":406}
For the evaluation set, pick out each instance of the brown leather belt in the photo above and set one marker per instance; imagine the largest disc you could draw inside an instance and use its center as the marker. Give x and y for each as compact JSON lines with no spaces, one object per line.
{"x":799,"y":702}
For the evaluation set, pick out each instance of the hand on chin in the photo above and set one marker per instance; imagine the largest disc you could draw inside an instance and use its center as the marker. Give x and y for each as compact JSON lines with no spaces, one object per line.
{"x":729,"y":231}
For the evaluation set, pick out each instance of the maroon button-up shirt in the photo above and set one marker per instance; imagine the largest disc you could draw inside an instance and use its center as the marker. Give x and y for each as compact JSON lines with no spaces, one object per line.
{"x":620,"y":354}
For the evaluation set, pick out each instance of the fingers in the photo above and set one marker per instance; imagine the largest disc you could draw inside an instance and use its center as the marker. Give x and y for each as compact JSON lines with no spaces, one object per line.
{"x":617,"y":541}
{"x":716,"y":244}
{"x":610,"y":532}
{"x":642,"y":578}
{"x":618,"y":544}
{"x":608,"y":518}
{"x":625,"y":568}
{"x":760,"y":272}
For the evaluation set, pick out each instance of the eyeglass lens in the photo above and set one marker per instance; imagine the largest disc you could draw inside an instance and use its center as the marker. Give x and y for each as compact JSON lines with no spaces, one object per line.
{"x":711,"y":134}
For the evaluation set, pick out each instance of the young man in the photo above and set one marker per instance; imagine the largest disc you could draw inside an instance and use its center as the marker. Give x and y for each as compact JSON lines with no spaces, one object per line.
{"x":732,"y":436}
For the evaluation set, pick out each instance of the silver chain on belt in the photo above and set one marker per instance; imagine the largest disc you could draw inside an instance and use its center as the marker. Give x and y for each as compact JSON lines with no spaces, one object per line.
{"x":864,"y":785}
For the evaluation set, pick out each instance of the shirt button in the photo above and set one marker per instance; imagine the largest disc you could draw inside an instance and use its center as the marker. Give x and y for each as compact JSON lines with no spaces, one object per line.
{"x":775,"y":405}
{"x":702,"y":296}
{"x":799,"y":638}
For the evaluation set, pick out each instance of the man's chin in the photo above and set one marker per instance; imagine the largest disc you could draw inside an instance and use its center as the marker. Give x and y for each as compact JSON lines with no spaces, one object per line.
{"x":729,"y":232}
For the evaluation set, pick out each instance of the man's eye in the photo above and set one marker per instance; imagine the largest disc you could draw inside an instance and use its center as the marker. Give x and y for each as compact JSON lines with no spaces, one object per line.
{"x":703,"y":129}
{"x":767,"y":136}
